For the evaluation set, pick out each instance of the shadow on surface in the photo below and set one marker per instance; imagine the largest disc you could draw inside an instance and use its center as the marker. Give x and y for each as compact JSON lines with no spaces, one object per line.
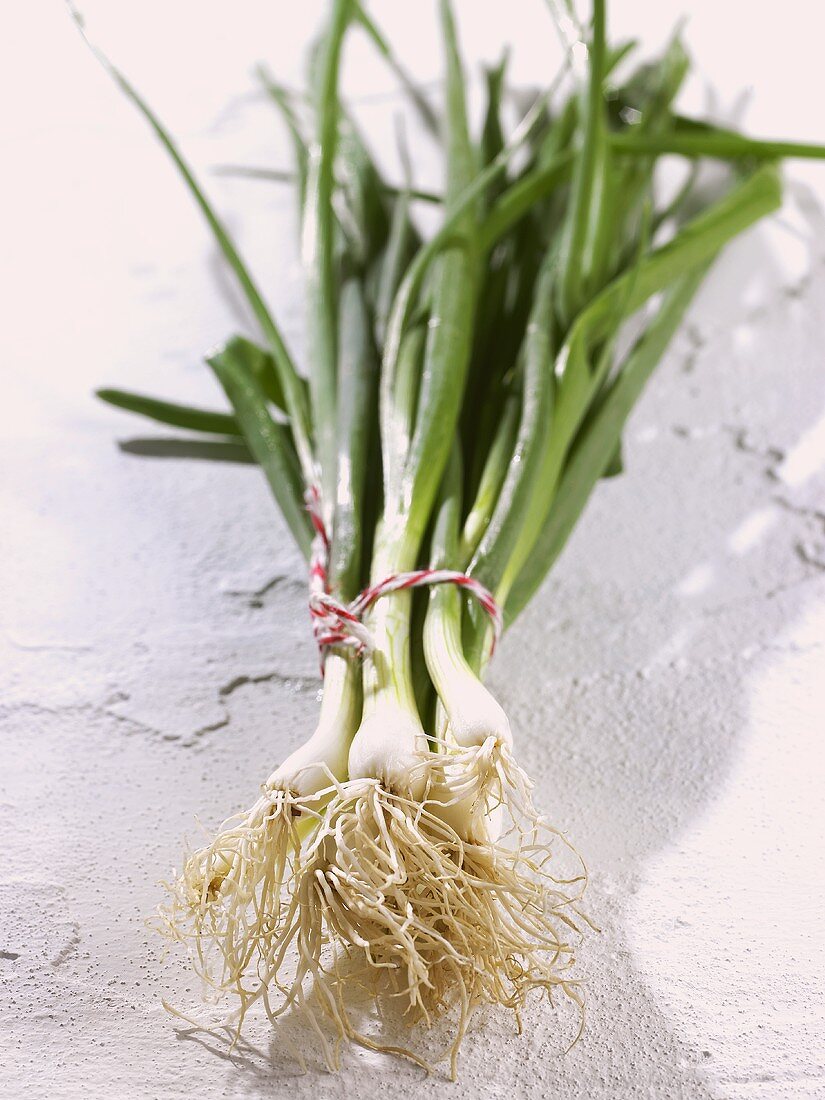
{"x":211,"y":450}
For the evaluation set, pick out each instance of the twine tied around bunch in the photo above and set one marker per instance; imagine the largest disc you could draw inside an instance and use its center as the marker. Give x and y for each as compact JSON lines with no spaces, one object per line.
{"x":338,"y":624}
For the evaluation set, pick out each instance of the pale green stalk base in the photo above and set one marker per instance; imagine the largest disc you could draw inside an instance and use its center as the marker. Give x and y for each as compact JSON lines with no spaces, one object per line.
{"x":391,"y":738}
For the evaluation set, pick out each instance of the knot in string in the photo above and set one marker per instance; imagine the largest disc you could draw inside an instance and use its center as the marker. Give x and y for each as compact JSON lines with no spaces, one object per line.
{"x":338,"y":624}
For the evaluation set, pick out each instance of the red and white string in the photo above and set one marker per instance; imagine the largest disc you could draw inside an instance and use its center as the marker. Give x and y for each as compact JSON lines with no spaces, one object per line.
{"x":339,"y":624}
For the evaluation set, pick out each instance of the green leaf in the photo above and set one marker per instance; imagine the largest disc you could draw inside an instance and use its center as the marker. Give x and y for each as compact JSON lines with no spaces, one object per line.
{"x":365,"y":195}
{"x":594,"y":453}
{"x":522,"y":196}
{"x":720,"y":144}
{"x":169,"y":412}
{"x":493,"y":473}
{"x":652,"y":88}
{"x":615,"y":465}
{"x":290,"y":380}
{"x":270,"y":443}
{"x":261,"y":364}
{"x":253,"y":358}
{"x":492,"y":134}
{"x":500,"y":538}
{"x":319,"y":233}
{"x":583,"y":362}
{"x":695,"y":243}
{"x":394,"y":262}
{"x":449,"y":335}
{"x":283,"y":100}
{"x":577,"y":259}
{"x":357,"y":404}
{"x":448,"y":235}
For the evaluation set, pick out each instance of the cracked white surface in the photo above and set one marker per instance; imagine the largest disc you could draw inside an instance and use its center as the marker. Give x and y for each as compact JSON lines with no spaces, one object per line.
{"x":666,"y":688}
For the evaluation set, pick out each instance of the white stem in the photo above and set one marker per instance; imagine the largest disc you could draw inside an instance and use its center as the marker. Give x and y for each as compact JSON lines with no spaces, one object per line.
{"x":390,"y":737}
{"x":305,"y":771}
{"x":387,"y":747}
{"x":473,"y":712}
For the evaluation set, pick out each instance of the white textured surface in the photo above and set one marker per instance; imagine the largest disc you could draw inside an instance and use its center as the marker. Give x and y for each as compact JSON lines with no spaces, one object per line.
{"x":666,"y":689}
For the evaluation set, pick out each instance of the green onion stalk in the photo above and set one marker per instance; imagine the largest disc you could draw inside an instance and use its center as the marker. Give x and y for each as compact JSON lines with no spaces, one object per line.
{"x":462,"y":397}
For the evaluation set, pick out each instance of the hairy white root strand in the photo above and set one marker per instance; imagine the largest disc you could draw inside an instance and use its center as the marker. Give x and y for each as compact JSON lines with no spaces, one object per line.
{"x":437,"y":905}
{"x":229,"y":904}
{"x":430,"y":907}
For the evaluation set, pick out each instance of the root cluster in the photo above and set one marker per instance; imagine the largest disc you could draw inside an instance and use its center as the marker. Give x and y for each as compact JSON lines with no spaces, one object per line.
{"x":435,"y":906}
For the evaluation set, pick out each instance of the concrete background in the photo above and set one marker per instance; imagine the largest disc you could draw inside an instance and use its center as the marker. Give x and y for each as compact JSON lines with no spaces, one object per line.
{"x":666,"y":687}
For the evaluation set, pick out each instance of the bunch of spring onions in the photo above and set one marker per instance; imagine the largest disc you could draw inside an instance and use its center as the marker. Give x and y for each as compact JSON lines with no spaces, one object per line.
{"x":461,"y":398}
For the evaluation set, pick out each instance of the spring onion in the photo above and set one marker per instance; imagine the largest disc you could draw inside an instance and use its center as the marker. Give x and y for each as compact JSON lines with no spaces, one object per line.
{"x":461,"y":399}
